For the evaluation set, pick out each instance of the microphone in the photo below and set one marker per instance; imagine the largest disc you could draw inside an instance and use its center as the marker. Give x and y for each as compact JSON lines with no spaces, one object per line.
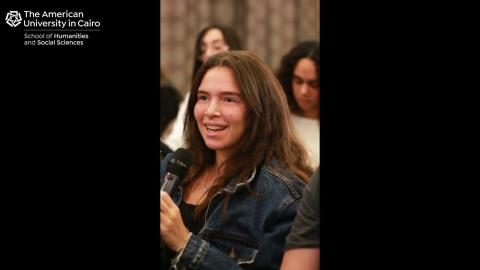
{"x":176,"y":170}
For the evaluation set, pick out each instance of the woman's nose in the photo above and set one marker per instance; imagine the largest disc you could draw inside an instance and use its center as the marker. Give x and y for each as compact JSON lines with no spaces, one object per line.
{"x":209,"y":52}
{"x":212,"y":109}
{"x":304,"y":89}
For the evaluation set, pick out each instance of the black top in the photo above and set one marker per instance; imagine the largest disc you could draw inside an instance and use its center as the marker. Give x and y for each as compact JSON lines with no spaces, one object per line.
{"x":193,"y":225}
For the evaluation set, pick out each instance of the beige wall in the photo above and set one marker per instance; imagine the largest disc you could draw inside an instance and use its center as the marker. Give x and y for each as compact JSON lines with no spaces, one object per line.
{"x":269,"y":28}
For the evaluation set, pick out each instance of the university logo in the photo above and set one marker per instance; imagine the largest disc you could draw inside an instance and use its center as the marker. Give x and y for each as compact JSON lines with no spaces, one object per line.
{"x":13,"y":18}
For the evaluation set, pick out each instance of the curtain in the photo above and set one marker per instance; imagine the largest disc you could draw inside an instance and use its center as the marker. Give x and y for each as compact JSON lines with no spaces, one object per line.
{"x":268,"y":28}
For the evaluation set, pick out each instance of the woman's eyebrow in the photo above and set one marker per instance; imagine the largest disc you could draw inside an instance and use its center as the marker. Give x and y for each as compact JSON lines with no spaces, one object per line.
{"x":230,"y":93}
{"x":215,"y":41}
{"x":222,"y":92}
{"x":300,"y":78}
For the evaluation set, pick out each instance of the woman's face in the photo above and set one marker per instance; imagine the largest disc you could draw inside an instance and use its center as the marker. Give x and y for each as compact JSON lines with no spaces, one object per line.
{"x":306,"y":88}
{"x":212,"y":43}
{"x":220,"y":112}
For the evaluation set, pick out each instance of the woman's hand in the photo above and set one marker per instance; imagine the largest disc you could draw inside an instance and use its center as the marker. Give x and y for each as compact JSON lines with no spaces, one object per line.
{"x":172,"y":230}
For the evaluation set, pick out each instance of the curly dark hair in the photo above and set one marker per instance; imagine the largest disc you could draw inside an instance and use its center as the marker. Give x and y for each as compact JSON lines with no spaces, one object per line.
{"x":229,"y":35}
{"x":307,"y":49}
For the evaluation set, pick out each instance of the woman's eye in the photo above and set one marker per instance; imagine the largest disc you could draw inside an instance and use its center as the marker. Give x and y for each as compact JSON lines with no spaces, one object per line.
{"x":202,"y":97}
{"x":229,"y":99}
{"x":297,"y":81}
{"x":313,"y":84}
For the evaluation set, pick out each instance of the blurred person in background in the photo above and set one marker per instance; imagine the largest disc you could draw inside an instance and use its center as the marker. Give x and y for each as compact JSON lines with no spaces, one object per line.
{"x":299,"y":74}
{"x":211,"y":40}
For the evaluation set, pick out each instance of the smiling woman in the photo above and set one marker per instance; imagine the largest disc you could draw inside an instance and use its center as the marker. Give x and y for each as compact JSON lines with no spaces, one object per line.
{"x":239,"y":198}
{"x":211,"y":40}
{"x":220,"y":112}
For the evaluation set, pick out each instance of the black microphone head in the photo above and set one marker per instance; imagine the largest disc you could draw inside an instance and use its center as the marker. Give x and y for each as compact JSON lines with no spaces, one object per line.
{"x":180,"y":162}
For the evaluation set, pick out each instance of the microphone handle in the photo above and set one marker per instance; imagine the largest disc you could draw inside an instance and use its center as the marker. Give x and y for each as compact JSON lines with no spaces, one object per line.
{"x":171,"y":183}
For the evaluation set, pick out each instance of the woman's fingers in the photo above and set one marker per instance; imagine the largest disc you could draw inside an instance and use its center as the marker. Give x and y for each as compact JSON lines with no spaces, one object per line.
{"x":165,"y":198}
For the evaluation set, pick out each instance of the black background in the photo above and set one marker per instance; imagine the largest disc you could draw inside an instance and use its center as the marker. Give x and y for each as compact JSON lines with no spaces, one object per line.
{"x":391,"y":108}
{"x":80,"y":128}
{"x":80,"y":140}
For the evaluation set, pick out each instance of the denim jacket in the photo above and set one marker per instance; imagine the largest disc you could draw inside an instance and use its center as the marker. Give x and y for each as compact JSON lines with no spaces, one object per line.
{"x":251,"y":233}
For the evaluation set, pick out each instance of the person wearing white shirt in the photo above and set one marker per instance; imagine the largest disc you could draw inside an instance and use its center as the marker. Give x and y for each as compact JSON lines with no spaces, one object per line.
{"x":299,"y":75}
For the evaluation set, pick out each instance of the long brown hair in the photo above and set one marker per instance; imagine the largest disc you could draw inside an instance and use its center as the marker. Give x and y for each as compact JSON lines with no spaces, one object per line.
{"x":269,"y":133}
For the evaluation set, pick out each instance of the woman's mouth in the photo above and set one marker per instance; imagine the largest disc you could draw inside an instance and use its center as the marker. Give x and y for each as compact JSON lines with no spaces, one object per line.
{"x":214,"y":128}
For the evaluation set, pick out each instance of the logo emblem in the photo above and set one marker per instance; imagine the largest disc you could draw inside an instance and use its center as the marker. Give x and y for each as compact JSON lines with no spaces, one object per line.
{"x":13,"y":18}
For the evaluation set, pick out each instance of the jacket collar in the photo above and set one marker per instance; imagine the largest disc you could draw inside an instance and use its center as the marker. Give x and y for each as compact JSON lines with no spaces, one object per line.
{"x":233,"y":185}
